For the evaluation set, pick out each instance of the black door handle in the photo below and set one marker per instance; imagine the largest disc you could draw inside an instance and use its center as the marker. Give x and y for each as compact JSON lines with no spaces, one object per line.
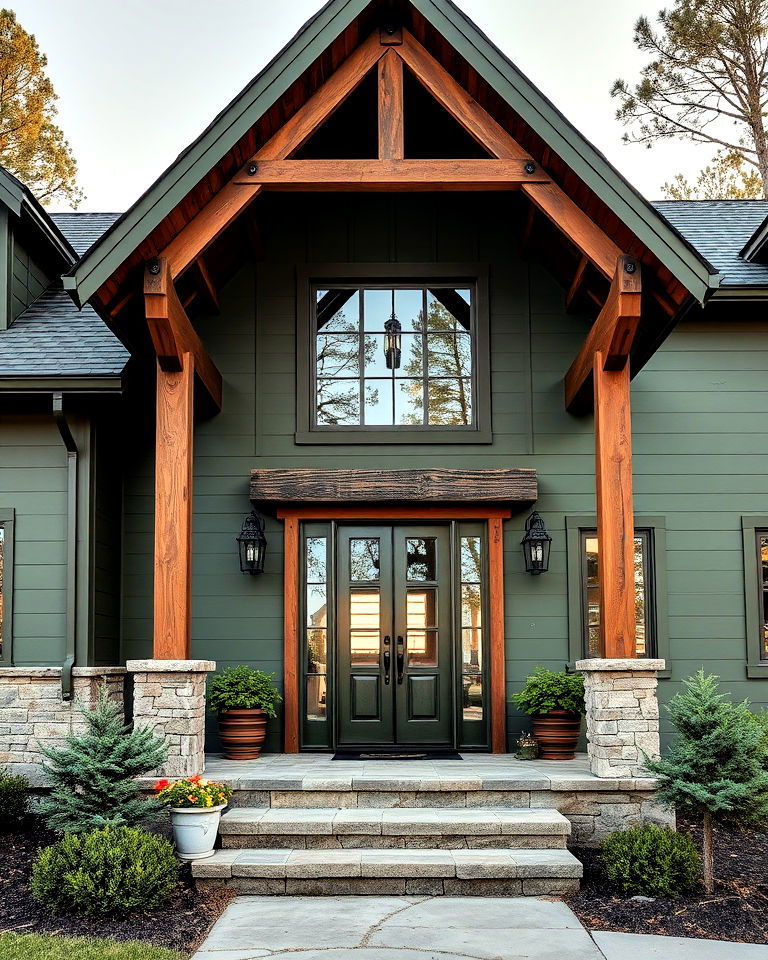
{"x":400,"y":659}
{"x":387,"y":659}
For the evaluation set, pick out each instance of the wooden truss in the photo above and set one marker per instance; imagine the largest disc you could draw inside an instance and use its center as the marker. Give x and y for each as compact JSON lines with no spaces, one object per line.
{"x":602,"y":366}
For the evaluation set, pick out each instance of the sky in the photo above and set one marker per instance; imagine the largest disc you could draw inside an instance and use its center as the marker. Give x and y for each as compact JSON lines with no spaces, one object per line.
{"x":138,"y":80}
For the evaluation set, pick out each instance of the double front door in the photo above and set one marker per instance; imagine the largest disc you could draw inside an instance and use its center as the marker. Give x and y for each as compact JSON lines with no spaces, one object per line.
{"x":394,"y":633}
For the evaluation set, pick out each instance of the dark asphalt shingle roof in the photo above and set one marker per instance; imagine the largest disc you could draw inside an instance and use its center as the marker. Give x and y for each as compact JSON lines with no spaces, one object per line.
{"x":52,"y":338}
{"x":719,"y":229}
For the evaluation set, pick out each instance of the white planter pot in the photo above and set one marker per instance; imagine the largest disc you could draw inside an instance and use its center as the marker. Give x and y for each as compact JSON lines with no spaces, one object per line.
{"x":194,"y":831}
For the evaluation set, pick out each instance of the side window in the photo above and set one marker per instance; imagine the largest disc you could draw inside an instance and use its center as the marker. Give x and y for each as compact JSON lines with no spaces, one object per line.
{"x":6,"y":584}
{"x":651,"y":627}
{"x":393,"y":361}
{"x":761,"y":549}
{"x":755,"y":535}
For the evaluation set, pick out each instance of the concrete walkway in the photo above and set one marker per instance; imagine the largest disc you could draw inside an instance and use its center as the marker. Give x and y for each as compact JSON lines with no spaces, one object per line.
{"x":442,"y":928}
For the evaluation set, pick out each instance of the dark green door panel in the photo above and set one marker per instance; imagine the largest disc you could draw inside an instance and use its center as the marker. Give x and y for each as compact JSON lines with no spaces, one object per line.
{"x":394,"y":635}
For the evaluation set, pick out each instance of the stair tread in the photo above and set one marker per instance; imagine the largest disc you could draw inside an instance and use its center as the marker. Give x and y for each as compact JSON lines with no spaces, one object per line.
{"x":365,"y":862}
{"x":393,"y":820}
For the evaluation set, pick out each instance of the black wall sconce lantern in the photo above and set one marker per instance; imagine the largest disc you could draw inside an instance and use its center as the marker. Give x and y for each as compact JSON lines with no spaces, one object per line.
{"x":536,"y":544}
{"x":252,"y":544}
{"x":392,"y":339}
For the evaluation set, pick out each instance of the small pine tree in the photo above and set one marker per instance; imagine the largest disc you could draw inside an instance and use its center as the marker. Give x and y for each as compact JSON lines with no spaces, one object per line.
{"x":714,"y":767}
{"x":92,"y":777}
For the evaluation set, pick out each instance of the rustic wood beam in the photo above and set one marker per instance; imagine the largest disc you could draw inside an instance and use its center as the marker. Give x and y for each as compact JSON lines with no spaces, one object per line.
{"x":612,"y":334}
{"x":548,"y":197}
{"x":615,"y":513}
{"x":391,"y":116}
{"x":385,"y":175}
{"x":276,"y":485}
{"x":172,"y":334}
{"x":234,"y":197}
{"x":291,"y":666}
{"x":526,"y":238}
{"x":578,"y":280}
{"x":173,"y":511}
{"x":497,"y":647}
{"x":207,"y":288}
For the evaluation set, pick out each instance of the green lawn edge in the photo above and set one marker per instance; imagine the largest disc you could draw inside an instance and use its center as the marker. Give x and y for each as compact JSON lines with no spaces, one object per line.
{"x":33,"y":946}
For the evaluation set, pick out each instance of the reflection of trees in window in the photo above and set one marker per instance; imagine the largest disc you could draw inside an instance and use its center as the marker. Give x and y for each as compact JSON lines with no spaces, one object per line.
{"x":338,"y":371}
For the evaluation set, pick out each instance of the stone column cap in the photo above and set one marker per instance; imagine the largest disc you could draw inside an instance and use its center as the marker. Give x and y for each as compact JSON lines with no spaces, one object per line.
{"x":170,"y":666}
{"x":629,"y":664}
{"x":97,"y":671}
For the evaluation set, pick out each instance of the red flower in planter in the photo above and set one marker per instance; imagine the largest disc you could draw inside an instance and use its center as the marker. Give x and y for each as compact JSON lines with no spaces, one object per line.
{"x":162,"y":784}
{"x":195,"y":779}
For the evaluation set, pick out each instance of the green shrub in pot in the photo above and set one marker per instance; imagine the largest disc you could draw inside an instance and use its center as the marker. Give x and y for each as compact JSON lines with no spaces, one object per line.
{"x":554,"y":699}
{"x":243,"y":698}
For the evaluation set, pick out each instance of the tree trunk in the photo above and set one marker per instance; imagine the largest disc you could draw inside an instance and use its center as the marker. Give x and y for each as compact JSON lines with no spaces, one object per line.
{"x":709,"y":855}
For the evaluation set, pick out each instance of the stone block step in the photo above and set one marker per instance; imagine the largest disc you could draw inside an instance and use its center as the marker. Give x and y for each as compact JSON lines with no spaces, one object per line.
{"x":398,"y":827}
{"x":429,"y":872}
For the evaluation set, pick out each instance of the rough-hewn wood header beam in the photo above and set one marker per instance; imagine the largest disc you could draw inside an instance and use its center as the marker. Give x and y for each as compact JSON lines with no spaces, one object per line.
{"x":388,"y":486}
{"x":612,"y":335}
{"x":367,"y":175}
{"x":172,"y":333}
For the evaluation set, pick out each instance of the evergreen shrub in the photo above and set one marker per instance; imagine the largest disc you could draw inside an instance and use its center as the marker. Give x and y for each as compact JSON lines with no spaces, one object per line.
{"x":93,"y":775}
{"x":14,"y":798}
{"x":547,"y":690}
{"x":109,"y":871}
{"x":243,"y":688}
{"x":653,"y":861}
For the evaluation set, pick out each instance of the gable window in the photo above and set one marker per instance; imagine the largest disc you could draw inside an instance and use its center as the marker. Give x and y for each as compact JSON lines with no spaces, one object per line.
{"x":394,"y":357}
{"x":651,"y":637}
{"x":755,"y":533}
{"x":6,"y":584}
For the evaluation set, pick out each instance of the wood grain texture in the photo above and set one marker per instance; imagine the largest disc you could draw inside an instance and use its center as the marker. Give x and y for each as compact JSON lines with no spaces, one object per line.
{"x":497,"y":664}
{"x":291,"y":699}
{"x":172,"y":332}
{"x":615,"y":512}
{"x":425,"y":513}
{"x":385,"y":175}
{"x":612,"y":334}
{"x":173,"y":512}
{"x":391,"y":115}
{"x":277,"y":485}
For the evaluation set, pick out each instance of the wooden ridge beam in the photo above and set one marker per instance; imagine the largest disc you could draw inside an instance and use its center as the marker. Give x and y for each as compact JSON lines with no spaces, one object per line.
{"x":234,"y":197}
{"x":372,"y":175}
{"x":611,"y":335}
{"x":546,"y":195}
{"x":172,"y":334}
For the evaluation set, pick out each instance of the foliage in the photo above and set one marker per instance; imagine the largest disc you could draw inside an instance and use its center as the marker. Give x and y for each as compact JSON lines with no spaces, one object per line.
{"x":705,"y":79}
{"x":14,"y":798}
{"x":92,"y":776}
{"x":33,"y":946}
{"x":32,"y":146}
{"x":714,"y":768}
{"x":547,"y":690}
{"x":115,"y":870}
{"x":244,"y":688}
{"x":725,"y":179}
{"x":651,"y":860}
{"x":192,"y":792}
{"x":761,"y":721}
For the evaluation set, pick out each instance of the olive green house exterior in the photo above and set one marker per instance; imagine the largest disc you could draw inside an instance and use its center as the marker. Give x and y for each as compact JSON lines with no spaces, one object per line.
{"x":78,"y":406}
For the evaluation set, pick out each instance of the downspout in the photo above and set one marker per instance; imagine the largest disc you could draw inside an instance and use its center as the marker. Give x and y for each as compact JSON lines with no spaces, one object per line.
{"x":72,"y":465}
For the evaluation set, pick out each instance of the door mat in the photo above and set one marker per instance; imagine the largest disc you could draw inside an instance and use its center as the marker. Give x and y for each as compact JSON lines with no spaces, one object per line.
{"x":397,"y":755}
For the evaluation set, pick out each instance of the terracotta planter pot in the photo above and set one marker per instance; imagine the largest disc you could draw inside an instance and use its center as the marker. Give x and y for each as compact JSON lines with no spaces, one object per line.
{"x":242,"y":732}
{"x":557,"y":734}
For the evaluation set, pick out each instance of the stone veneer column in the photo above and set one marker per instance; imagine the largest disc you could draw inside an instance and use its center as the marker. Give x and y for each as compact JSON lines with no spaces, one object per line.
{"x":622,"y":715}
{"x":169,"y":698}
{"x":32,"y":712}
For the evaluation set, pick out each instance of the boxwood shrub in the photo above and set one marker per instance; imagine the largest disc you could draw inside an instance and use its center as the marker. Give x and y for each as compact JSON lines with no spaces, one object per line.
{"x":116,"y":870}
{"x":14,"y":798}
{"x":653,"y":861}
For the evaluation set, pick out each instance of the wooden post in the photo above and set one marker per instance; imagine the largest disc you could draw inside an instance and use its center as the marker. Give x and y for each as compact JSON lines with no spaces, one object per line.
{"x":173,"y":511}
{"x":498,"y":680}
{"x":391,"y":119}
{"x":291,"y":697}
{"x":615,"y":514}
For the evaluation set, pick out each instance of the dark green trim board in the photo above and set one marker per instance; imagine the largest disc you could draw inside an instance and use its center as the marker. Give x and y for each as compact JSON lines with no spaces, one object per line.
{"x":6,"y":253}
{"x":70,"y":639}
{"x":37,"y":385}
{"x":20,"y":201}
{"x":7,"y":522}
{"x":311,"y":275}
{"x":656,"y":590}
{"x":757,"y":666}
{"x":100,"y":262}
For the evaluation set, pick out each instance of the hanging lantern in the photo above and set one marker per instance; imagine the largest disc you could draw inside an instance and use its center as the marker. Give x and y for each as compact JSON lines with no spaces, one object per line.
{"x":536,"y":544}
{"x":252,"y":545}
{"x":392,"y":339}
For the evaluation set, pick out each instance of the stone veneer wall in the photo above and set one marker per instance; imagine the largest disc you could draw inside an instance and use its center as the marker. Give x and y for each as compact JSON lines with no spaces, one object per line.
{"x":169,"y":698}
{"x":622,"y":714}
{"x":32,"y":711}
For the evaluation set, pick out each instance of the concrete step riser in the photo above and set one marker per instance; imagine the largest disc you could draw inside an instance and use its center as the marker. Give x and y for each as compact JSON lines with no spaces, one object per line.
{"x":353,"y":842}
{"x":395,"y":886}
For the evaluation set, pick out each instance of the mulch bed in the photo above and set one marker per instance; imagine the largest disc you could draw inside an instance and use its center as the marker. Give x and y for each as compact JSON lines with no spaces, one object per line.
{"x":738,"y":909}
{"x":180,"y":924}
